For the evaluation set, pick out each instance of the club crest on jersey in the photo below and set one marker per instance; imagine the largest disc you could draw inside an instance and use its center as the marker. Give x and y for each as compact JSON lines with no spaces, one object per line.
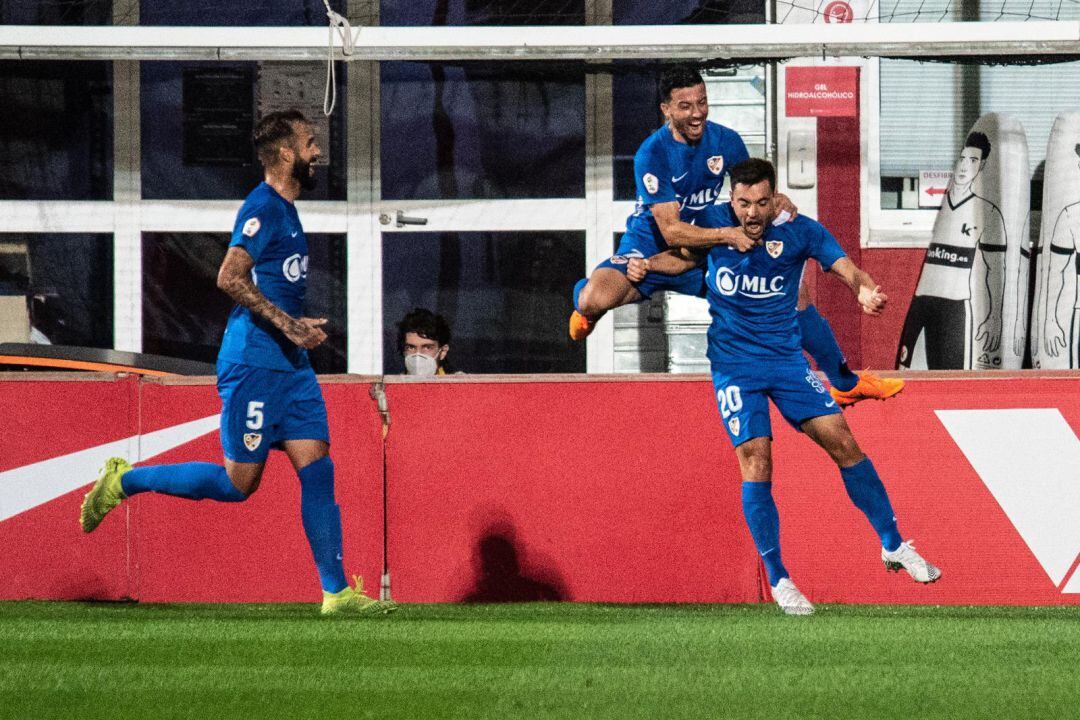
{"x":774,"y":247}
{"x":715,"y":164}
{"x":251,"y":227}
{"x":252,"y":441}
{"x":733,"y":425}
{"x":652,"y":184}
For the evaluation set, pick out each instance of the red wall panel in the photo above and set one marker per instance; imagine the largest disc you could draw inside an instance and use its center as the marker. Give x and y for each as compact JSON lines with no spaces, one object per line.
{"x":595,"y":491}
{"x":45,"y":553}
{"x":509,"y":489}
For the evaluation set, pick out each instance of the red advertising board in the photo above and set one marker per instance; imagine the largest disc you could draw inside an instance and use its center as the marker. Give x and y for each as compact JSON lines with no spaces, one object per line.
{"x":588,"y":489}
{"x":821,"y":91}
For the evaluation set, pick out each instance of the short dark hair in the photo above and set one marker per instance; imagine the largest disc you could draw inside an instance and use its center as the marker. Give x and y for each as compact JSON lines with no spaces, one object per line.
{"x":753,"y":171}
{"x":980,"y":141}
{"x":426,"y":324}
{"x":679,"y":76}
{"x":272,"y":130}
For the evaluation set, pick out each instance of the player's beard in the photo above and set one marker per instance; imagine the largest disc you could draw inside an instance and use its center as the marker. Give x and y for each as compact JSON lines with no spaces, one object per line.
{"x":683,"y":128}
{"x":301,"y":170}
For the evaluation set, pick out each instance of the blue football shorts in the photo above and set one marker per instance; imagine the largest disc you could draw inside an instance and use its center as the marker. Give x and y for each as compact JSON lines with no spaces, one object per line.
{"x":260,"y":408}
{"x":744,"y":388}
{"x":691,"y":282}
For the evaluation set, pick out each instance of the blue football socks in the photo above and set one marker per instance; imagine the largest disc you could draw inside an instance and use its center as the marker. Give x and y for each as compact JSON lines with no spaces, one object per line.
{"x":866,"y":491}
{"x":193,"y":480}
{"x":764,"y":522}
{"x":577,"y":291}
{"x":819,"y":341}
{"x":322,"y":522}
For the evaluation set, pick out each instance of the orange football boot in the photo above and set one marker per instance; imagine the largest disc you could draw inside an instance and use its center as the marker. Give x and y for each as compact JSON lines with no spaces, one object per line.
{"x":580,"y":326}
{"x":869,"y":387}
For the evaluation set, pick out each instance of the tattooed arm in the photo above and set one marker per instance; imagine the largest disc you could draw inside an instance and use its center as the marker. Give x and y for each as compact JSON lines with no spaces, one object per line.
{"x":234,"y":278}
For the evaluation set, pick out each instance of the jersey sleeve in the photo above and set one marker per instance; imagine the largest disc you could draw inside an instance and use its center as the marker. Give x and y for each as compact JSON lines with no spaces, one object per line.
{"x":254,"y":228}
{"x":823,"y":246}
{"x":739,"y":151}
{"x":652,"y":175}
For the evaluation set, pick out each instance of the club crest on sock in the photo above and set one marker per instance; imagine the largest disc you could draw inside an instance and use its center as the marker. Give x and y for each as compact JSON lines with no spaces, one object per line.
{"x":252,"y":441}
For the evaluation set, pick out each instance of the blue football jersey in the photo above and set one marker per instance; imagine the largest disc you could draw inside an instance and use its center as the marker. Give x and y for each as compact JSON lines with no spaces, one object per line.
{"x":268,"y":229}
{"x":667,"y":170}
{"x":752,"y":296}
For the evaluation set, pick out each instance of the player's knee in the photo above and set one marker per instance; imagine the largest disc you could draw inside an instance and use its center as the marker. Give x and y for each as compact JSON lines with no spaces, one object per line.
{"x":589,"y":301}
{"x":755,"y":462}
{"x":245,"y":483}
{"x":845,"y":451}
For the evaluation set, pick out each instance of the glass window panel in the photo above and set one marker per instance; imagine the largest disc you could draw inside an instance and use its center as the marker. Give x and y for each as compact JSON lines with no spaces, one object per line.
{"x":927,"y":108}
{"x":482,"y":12}
{"x":506,"y":297}
{"x":250,"y":12}
{"x":482,"y":130}
{"x":56,"y":130}
{"x":636,"y":103}
{"x":184,"y":313}
{"x":678,"y":12}
{"x":56,"y":12}
{"x":65,"y":284}
{"x":197,"y":119}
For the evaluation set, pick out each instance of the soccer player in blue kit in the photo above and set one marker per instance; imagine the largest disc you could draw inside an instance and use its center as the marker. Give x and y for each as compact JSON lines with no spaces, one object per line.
{"x":680,"y":171}
{"x":756,"y":355}
{"x":270,"y":396}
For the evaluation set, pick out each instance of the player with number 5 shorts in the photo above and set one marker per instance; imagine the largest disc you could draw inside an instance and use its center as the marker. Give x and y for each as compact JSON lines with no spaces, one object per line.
{"x":756,"y":356}
{"x":270,"y":397}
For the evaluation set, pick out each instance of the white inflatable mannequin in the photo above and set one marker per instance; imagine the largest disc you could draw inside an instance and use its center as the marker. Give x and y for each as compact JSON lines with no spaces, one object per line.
{"x":1055,"y":323}
{"x":969,"y":307}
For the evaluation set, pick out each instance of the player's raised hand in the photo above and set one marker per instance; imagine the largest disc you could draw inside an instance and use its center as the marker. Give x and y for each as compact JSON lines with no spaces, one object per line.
{"x":782,"y":203}
{"x":872,"y":301}
{"x":306,"y":332}
{"x":637,"y":269}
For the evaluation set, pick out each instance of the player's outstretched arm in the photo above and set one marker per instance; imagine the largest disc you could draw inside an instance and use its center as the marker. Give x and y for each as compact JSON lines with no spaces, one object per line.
{"x":684,"y":235}
{"x":234,"y":278}
{"x":866,"y":290}
{"x":670,"y":262}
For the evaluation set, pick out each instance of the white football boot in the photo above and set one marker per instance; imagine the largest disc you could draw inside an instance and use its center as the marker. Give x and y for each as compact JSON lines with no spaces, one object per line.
{"x":790,"y":600}
{"x":905,"y":558}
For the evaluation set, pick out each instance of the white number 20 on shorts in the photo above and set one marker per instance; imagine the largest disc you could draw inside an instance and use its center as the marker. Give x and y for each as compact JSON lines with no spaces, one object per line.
{"x":730,"y":400}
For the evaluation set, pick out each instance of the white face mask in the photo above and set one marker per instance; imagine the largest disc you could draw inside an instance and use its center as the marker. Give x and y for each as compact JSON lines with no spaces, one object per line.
{"x":420,"y":364}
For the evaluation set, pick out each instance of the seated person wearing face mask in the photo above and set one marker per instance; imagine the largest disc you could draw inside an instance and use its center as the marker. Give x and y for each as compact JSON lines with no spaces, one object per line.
{"x":424,"y":339}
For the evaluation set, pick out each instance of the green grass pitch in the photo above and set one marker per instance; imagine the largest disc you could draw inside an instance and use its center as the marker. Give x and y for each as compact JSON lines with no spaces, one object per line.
{"x":564,"y":660}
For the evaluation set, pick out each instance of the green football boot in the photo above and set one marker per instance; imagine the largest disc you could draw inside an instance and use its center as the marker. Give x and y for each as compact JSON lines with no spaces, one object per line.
{"x":105,"y":495}
{"x":354,"y":602}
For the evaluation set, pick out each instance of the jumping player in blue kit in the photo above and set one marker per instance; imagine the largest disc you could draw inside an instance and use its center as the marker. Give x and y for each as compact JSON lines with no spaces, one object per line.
{"x":756,"y":355}
{"x":270,"y":396}
{"x":679,"y":171}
